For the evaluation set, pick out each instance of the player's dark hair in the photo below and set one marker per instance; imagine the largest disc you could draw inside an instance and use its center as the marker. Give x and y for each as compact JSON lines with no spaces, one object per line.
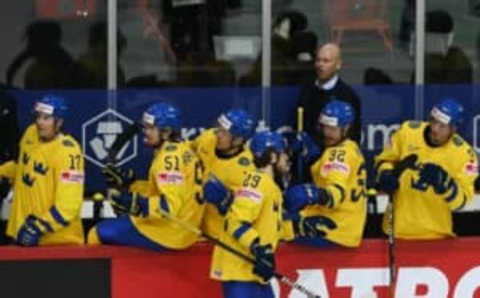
{"x":263,"y":160}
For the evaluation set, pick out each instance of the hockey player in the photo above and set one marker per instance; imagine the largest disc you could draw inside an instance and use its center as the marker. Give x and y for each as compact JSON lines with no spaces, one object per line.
{"x":441,"y":180}
{"x":333,"y":208}
{"x":253,"y":223}
{"x":174,"y":185}
{"x":47,"y":180}
{"x":225,"y":157}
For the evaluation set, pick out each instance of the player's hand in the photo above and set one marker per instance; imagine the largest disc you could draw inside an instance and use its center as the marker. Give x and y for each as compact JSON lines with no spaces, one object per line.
{"x":264,"y":260}
{"x":313,"y":226}
{"x":117,"y":177}
{"x":301,"y":195}
{"x":303,"y":144}
{"x":128,"y":203}
{"x":437,"y":177}
{"x":31,"y":231}
{"x":217,"y":194}
{"x":387,"y":182}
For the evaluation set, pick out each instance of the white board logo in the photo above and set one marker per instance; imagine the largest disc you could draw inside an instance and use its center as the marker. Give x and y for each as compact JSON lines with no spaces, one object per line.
{"x":100,"y":132}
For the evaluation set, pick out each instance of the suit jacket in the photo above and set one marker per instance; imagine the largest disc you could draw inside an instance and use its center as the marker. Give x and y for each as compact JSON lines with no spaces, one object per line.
{"x":313,"y":99}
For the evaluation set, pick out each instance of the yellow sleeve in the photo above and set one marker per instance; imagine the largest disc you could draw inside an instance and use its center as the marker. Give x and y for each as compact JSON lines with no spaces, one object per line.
{"x":139,"y":186}
{"x":207,"y":137}
{"x":464,"y":177}
{"x":7,"y":170}
{"x":69,"y":171}
{"x":287,"y":232}
{"x":391,"y":151}
{"x":245,"y":209}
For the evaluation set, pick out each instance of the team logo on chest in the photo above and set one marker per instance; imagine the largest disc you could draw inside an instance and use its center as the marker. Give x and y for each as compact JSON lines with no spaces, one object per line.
{"x":40,"y":168}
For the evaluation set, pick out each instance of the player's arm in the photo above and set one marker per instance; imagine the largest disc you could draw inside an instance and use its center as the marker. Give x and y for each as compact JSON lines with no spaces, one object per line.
{"x":456,"y":187}
{"x":391,"y":152}
{"x":69,"y":189}
{"x":244,"y":210}
{"x":207,"y":136}
{"x":8,"y":170}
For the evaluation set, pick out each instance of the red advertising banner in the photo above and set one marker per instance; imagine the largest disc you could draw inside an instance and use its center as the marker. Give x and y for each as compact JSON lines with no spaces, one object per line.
{"x":426,"y":269}
{"x":65,"y":8}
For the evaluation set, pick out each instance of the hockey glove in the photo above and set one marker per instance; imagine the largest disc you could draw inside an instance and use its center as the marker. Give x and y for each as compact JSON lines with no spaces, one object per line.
{"x":128,"y":203}
{"x":217,"y":194}
{"x":309,"y":150}
{"x":437,"y":177}
{"x":387,"y":182}
{"x":264,"y":260}
{"x":31,"y":231}
{"x":313,"y":226}
{"x":302,"y":195}
{"x":117,"y":177}
{"x":302,"y":143}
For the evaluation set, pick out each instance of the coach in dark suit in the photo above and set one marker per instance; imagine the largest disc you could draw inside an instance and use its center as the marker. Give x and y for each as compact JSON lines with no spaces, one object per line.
{"x":327,"y":86}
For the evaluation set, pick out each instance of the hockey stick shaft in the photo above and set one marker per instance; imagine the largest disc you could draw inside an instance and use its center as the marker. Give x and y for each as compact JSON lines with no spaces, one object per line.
{"x":299,"y":156}
{"x":405,"y":163}
{"x":121,"y":140}
{"x":239,"y":254}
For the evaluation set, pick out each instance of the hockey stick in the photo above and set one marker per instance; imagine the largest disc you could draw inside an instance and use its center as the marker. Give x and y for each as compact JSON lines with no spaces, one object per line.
{"x":299,"y":135}
{"x":406,"y":163}
{"x":121,"y":140}
{"x":239,"y":254}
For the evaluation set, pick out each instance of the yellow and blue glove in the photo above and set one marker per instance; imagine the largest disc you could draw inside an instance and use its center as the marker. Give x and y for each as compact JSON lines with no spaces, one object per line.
{"x":32,"y":230}
{"x":128,"y":203}
{"x":301,"y":195}
{"x":217,"y":194}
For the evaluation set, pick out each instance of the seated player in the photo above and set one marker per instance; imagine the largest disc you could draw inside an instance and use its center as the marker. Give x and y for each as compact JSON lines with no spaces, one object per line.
{"x":332,"y":209}
{"x":48,"y":188}
{"x":174,"y":185}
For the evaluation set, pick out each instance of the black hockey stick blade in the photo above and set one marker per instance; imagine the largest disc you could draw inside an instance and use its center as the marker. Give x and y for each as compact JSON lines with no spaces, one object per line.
{"x":121,"y":140}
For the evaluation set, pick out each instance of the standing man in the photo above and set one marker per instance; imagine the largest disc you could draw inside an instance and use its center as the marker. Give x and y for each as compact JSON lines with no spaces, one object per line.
{"x":328,"y":86}
{"x":225,"y":157}
{"x":174,"y":185}
{"x":332,"y":209}
{"x":47,"y":180}
{"x":253,"y":224}
{"x":441,"y":180}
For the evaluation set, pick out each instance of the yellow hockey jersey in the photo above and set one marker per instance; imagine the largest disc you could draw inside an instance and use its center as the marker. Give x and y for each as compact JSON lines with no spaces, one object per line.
{"x":229,"y":171}
{"x":256,"y":212}
{"x":420,"y":213}
{"x":48,"y":182}
{"x":341,"y":171}
{"x":174,"y":184}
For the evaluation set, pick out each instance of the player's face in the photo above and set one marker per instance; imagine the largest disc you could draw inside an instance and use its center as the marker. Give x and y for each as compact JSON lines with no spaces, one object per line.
{"x":225,"y":140}
{"x":283,"y":163}
{"x":151,"y":136}
{"x":47,"y":126}
{"x":440,"y":132}
{"x":327,"y":64}
{"x":333,"y":135}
